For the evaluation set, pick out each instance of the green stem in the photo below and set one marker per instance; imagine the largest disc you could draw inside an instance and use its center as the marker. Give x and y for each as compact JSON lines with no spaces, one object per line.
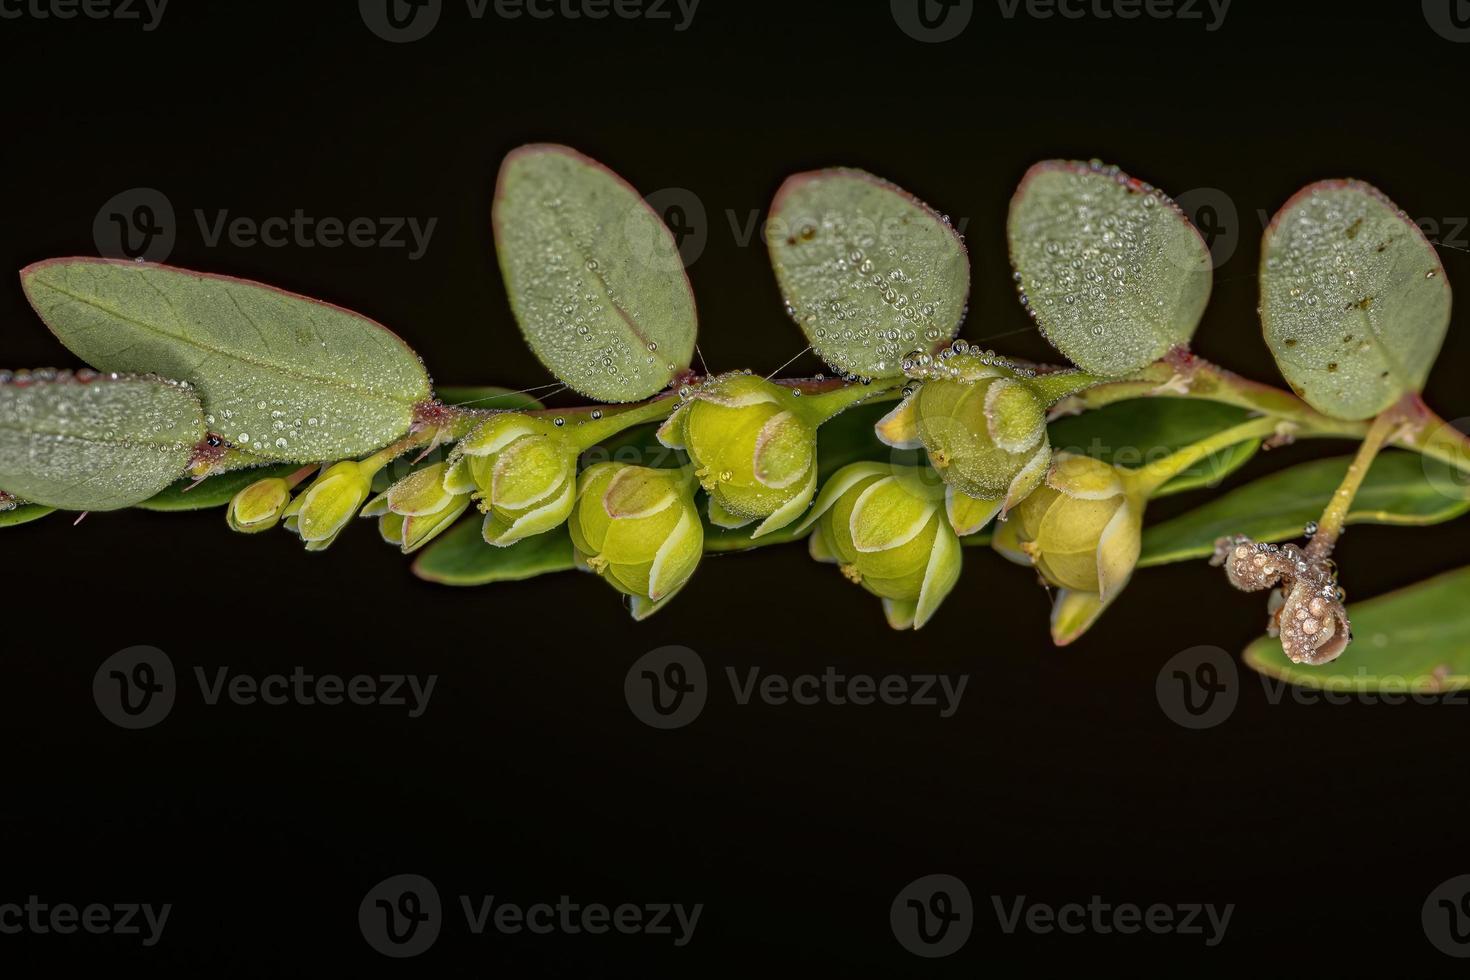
{"x":826,"y":405}
{"x":1150,"y":477}
{"x":588,"y":426}
{"x":1334,"y":517}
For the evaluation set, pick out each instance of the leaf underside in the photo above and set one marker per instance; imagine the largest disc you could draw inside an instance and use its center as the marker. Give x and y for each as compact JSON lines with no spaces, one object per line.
{"x":1401,"y":488}
{"x":461,"y":557}
{"x":1354,"y":301}
{"x":868,"y":271}
{"x":82,"y":442}
{"x":283,"y":377}
{"x":24,"y":514}
{"x":1111,"y":270}
{"x":1416,"y":639}
{"x":594,"y":277}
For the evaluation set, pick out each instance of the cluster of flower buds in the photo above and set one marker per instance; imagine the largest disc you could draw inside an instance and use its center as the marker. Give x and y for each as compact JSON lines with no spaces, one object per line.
{"x":886,"y":528}
{"x":1082,"y":529}
{"x":523,"y":472}
{"x":416,"y":509}
{"x":983,"y":426}
{"x":326,"y":506}
{"x":639,"y":529}
{"x":1306,"y":611}
{"x":752,"y":450}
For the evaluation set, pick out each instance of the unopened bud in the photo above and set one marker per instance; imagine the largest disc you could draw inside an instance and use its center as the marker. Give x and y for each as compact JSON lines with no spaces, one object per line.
{"x":259,"y":506}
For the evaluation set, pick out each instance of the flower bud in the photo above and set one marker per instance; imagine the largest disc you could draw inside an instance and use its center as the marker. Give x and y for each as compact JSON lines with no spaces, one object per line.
{"x":417,"y":508}
{"x":638,"y":528}
{"x":885,"y":527}
{"x":1083,"y":530}
{"x":259,"y":506}
{"x":985,"y":433}
{"x":752,"y":452}
{"x":523,"y":470}
{"x":323,"y":509}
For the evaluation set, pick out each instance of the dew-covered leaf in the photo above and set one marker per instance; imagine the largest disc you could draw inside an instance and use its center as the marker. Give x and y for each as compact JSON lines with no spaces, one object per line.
{"x":283,"y":377}
{"x":594,"y":277}
{"x":93,"y":442}
{"x":868,"y":271}
{"x":1400,"y":488}
{"x":1414,"y":640}
{"x":1139,"y":431}
{"x":487,"y":396}
{"x":215,"y":491}
{"x":1354,"y":300}
{"x":24,"y":514}
{"x":461,"y":557}
{"x":1111,"y":269}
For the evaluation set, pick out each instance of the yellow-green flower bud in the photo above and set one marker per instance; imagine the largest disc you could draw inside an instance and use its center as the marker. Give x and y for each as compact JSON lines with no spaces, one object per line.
{"x":752,"y":451}
{"x":259,"y":506}
{"x":1083,"y":531}
{"x":985,"y":435}
{"x":323,"y":509}
{"x":523,"y":470}
{"x":638,"y":528}
{"x":885,"y":527}
{"x":417,"y":508}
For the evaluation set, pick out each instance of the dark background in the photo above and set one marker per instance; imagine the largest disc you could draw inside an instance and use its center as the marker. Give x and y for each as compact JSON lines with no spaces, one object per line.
{"x":528,"y":777}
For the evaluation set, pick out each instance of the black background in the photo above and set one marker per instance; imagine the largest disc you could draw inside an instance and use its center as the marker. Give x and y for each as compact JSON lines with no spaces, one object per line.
{"x":528,"y":777}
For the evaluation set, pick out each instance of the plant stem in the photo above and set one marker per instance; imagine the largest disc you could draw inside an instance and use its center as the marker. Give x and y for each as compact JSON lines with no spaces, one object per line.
{"x":826,"y":405}
{"x":1330,"y":525}
{"x":1150,"y":477}
{"x":590,"y":425}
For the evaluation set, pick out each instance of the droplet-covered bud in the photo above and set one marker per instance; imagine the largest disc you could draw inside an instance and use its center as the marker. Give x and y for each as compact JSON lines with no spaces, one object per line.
{"x":259,"y":506}
{"x":752,"y":450}
{"x":413,"y":511}
{"x":523,"y":470}
{"x":323,"y":509}
{"x":638,"y":528}
{"x":985,"y":435}
{"x":1083,"y":530}
{"x":1306,"y":611}
{"x":885,"y":527}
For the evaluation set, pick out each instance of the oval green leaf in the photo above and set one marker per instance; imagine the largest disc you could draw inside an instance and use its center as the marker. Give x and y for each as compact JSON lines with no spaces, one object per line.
{"x":1111,"y":269}
{"x":868,"y":271}
{"x":594,"y":277}
{"x":94,"y":442}
{"x":283,"y":377}
{"x":1413,"y":641}
{"x":461,"y":557}
{"x":1354,"y":300}
{"x":215,"y":491}
{"x":1401,"y":488}
{"x":24,"y":514}
{"x":1139,"y":431}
